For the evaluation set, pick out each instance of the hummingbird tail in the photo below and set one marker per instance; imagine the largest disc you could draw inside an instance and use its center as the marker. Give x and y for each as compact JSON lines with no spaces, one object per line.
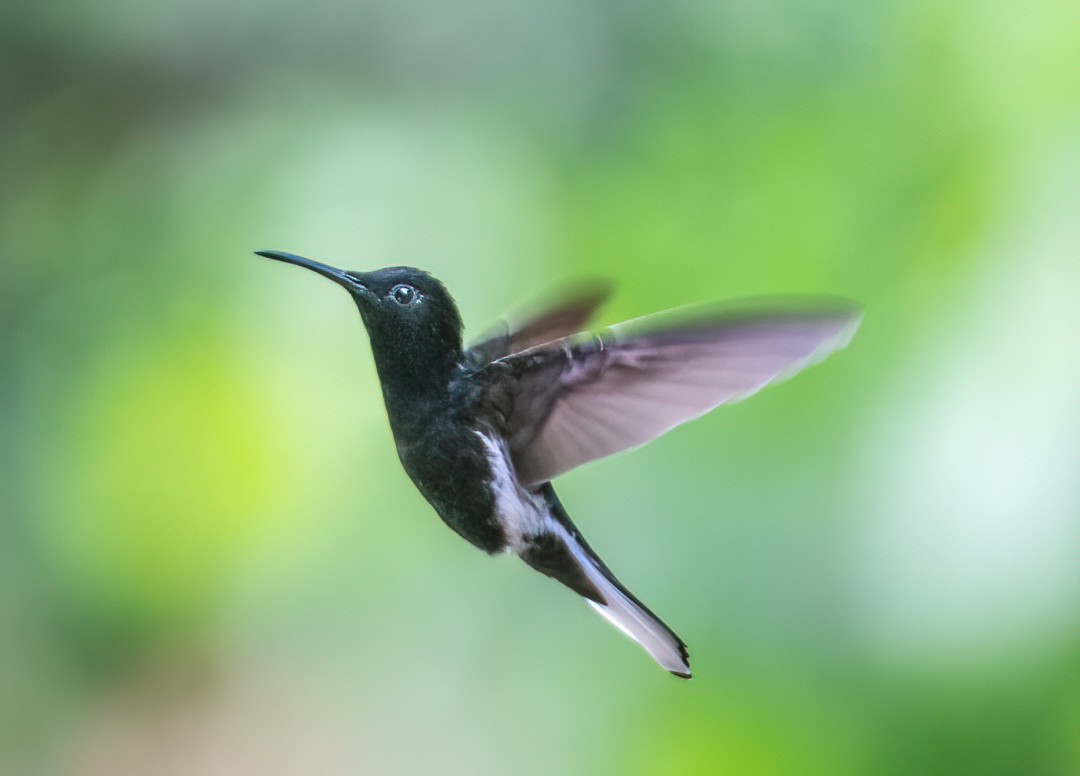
{"x":633,"y":618}
{"x":603,"y":592}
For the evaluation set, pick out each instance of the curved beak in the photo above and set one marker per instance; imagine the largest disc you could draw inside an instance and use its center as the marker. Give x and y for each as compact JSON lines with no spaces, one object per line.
{"x":351,"y":284}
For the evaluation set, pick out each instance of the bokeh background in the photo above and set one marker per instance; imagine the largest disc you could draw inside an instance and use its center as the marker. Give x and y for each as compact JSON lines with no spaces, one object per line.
{"x":211,"y":561}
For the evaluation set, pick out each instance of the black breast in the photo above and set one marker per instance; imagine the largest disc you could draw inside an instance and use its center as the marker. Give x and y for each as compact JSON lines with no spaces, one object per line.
{"x":447,"y":461}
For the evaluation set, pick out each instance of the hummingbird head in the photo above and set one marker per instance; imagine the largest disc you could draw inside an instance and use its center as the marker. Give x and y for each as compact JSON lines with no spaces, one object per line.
{"x":411,"y":319}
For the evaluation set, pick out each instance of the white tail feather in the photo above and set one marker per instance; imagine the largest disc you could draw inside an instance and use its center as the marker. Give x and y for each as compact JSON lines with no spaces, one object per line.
{"x":630,"y":617}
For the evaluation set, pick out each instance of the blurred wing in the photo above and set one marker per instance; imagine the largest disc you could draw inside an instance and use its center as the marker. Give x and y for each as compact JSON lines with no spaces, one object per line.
{"x":569,"y":315}
{"x":590,"y":396}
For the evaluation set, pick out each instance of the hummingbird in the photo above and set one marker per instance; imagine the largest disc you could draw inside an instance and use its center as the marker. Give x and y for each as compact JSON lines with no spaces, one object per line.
{"x":482,"y":430}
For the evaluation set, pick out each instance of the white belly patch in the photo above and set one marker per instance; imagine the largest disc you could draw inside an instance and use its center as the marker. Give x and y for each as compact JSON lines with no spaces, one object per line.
{"x":519,"y":512}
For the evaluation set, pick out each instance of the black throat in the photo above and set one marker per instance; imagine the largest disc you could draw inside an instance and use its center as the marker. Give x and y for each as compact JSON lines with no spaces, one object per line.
{"x":416,"y":367}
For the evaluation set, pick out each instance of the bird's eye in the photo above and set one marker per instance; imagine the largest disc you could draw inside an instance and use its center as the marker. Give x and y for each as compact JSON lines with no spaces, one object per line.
{"x":403,"y":294}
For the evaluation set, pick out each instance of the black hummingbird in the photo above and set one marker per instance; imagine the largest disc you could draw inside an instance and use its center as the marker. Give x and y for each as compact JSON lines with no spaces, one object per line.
{"x":482,"y":430}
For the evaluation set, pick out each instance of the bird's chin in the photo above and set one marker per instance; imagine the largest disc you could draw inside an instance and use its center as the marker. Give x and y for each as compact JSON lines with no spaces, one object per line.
{"x":364,"y":303}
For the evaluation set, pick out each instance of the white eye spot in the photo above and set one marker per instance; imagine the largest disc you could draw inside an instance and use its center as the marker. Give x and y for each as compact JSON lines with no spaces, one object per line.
{"x":403,"y":294}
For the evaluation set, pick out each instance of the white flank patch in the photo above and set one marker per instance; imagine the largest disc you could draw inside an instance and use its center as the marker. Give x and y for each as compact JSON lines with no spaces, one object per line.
{"x":519,"y":512}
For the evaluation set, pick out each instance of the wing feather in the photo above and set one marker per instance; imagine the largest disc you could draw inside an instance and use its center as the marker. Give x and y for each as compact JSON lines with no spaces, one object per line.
{"x":585,"y":397}
{"x":569,"y":314}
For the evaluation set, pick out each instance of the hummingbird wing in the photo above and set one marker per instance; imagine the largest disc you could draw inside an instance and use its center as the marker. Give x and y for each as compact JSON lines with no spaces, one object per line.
{"x":588,"y":396}
{"x":550,"y":321}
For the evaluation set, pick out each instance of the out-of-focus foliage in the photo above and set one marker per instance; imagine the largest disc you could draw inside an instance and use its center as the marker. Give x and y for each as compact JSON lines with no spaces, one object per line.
{"x":210,"y":560}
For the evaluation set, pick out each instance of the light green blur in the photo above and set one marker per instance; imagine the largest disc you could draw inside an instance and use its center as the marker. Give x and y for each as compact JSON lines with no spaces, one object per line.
{"x":210,"y":559}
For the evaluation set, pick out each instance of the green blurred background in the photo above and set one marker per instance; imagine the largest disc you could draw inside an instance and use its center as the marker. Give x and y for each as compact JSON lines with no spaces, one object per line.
{"x":211,"y":561}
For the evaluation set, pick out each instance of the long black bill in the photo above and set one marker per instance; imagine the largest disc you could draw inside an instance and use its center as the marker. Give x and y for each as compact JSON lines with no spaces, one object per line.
{"x":338,"y":276}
